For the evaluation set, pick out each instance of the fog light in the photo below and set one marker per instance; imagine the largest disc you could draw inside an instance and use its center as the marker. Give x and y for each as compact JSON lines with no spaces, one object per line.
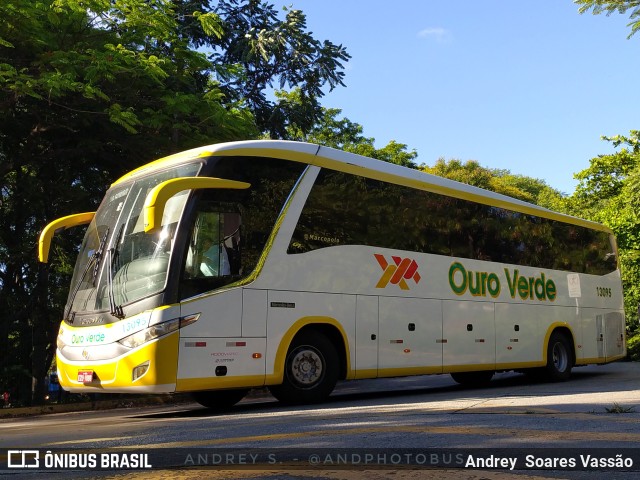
{"x":140,"y":370}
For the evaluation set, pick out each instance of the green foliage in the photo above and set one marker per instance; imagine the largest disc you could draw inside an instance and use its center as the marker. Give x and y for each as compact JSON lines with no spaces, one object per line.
{"x":607,"y":174}
{"x":394,"y":152}
{"x":617,"y":408}
{"x":469,"y":172}
{"x":266,"y":52}
{"x":614,"y":6}
{"x":211,"y":23}
{"x":343,"y":134}
{"x":529,"y":189}
{"x":633,"y":347}
{"x":90,"y":89}
{"x":609,"y":192}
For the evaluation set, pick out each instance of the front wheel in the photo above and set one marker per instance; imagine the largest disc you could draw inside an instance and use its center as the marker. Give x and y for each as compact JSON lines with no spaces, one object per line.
{"x":559,"y":358}
{"x":310,"y":370}
{"x":219,"y":399}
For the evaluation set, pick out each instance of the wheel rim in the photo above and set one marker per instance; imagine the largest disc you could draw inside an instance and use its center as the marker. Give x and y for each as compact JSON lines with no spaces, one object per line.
{"x":560,"y":357}
{"x":306,"y":366}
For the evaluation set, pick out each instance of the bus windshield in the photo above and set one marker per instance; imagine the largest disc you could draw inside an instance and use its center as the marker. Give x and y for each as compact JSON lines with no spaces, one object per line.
{"x":116,"y":242}
{"x":218,"y":242}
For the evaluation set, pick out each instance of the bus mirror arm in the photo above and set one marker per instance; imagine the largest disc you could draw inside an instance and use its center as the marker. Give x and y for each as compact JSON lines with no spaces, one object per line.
{"x":158,"y":197}
{"x":44,"y":242}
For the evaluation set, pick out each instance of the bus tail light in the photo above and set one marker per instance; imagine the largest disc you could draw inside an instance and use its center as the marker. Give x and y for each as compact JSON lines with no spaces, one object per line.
{"x":158,"y":330}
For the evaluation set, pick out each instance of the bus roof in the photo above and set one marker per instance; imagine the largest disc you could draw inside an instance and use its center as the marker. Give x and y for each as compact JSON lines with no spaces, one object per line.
{"x":334,"y":159}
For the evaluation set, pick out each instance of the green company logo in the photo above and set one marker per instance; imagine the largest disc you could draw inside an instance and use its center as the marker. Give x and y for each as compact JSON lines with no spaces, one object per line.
{"x":482,"y":284}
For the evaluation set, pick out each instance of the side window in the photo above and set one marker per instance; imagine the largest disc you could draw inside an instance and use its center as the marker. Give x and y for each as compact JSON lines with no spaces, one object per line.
{"x":345,"y":209}
{"x":229,"y":230}
{"x":214,"y":249}
{"x":213,"y":253}
{"x":331,"y":214}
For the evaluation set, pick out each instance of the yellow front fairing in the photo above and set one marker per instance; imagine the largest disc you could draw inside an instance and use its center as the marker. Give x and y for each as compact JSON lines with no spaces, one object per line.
{"x":116,"y":375}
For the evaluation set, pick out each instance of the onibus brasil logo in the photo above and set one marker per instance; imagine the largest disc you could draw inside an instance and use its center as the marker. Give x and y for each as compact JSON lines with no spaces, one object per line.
{"x":398,"y":272}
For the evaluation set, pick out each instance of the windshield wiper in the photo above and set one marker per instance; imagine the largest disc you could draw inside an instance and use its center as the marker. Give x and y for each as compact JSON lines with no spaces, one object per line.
{"x":97,"y":257}
{"x":94,"y":262}
{"x":115,"y":309}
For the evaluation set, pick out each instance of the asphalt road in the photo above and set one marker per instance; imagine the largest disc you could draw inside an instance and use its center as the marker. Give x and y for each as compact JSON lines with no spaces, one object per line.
{"x":418,"y":419}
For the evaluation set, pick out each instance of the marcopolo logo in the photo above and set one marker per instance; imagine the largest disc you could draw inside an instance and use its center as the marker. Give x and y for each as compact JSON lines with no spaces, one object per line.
{"x":398,"y":272}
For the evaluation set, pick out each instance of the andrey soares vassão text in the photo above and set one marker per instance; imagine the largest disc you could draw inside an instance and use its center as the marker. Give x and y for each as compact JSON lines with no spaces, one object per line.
{"x":617,"y":461}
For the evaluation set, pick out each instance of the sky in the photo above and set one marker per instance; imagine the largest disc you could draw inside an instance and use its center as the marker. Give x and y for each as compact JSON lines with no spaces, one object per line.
{"x":525,"y":86}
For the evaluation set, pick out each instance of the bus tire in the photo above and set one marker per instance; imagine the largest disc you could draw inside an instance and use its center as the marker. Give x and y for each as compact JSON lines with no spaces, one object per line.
{"x":219,"y":399}
{"x":473,"y":379}
{"x":310,"y":370}
{"x":559,"y":357}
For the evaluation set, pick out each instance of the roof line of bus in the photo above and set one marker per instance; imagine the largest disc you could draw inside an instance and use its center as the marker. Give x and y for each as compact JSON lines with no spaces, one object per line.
{"x":347,"y":162}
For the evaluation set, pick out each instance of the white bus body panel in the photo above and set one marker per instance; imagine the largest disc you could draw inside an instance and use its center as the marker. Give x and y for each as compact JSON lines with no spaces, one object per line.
{"x":614,"y":327}
{"x":603,"y":333}
{"x":469,"y":331}
{"x":367,"y":333}
{"x":518,"y":332}
{"x":285,"y":308}
{"x":199,"y":358}
{"x":410,"y":333}
{"x":493,"y":341}
{"x":254,"y":313}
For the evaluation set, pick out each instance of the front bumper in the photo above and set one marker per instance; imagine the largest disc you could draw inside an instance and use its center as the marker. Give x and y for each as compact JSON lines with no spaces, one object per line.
{"x":116,"y":375}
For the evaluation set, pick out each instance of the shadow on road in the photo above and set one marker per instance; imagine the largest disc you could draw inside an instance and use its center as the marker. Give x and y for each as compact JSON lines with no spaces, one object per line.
{"x":417,"y":389}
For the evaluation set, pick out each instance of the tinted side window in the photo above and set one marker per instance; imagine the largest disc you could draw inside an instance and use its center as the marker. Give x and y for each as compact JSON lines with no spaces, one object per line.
{"x":229,"y":228}
{"x":345,"y":209}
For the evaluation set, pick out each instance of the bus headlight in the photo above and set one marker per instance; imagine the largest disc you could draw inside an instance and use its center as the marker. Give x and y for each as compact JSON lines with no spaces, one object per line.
{"x":148,"y":334}
{"x":158,"y":330}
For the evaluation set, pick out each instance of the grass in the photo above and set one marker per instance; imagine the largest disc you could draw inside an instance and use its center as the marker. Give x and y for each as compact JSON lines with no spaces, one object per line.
{"x":617,"y":408}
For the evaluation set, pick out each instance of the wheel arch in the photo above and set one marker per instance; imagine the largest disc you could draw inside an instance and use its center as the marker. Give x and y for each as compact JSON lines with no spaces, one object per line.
{"x":328,"y":326}
{"x":565,"y":329}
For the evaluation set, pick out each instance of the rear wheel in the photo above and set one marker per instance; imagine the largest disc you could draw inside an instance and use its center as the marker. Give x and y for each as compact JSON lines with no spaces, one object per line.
{"x":219,"y":399}
{"x":473,"y":379}
{"x":310,"y":370}
{"x":559,"y":357}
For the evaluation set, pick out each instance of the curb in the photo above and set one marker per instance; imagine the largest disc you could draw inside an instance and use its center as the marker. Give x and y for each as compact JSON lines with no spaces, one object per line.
{"x":143,"y":401}
{"x":129,"y":402}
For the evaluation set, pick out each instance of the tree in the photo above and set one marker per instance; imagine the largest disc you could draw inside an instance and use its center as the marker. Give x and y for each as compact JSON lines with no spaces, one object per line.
{"x":607,"y":174}
{"x":343,"y":134}
{"x":609,"y":192}
{"x":469,"y":172}
{"x":529,"y":189}
{"x":614,"y":6}
{"x":258,"y":52}
{"x":90,"y":89}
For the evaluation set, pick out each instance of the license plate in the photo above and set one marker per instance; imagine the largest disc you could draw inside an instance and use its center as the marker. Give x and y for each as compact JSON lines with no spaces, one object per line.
{"x":85,"y":376}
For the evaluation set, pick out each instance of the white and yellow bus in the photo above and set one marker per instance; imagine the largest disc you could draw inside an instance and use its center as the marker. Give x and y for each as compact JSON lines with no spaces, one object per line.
{"x":293,"y":266}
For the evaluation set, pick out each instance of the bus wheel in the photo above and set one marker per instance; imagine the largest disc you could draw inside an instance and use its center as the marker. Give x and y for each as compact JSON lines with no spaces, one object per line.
{"x":219,"y":399}
{"x":559,"y":358}
{"x":310,"y":370}
{"x":473,"y":379}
